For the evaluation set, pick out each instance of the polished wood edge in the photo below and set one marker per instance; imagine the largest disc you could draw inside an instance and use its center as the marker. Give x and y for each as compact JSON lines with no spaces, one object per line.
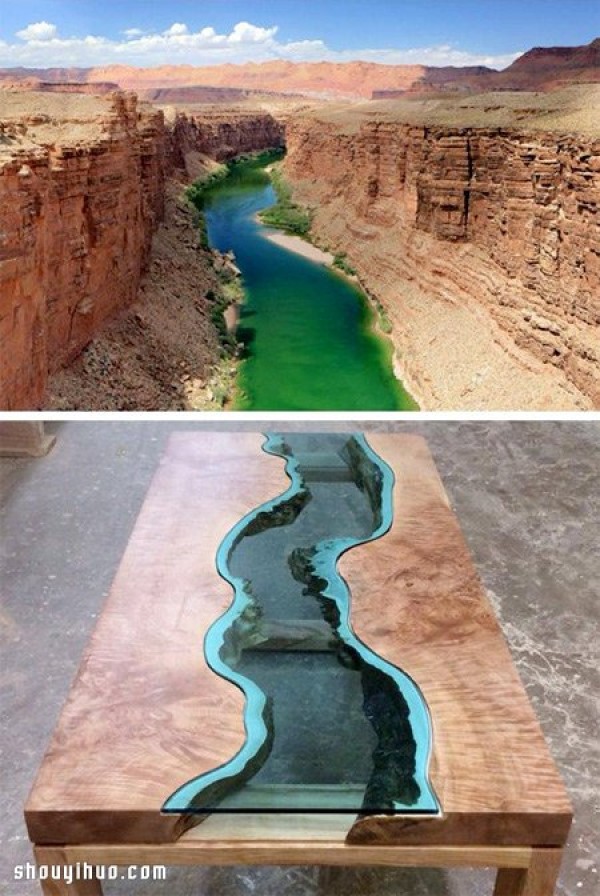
{"x":93,"y":826}
{"x":498,"y":828}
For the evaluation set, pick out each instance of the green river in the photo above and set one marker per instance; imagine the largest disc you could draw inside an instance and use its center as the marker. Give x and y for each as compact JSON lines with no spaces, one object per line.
{"x":309,"y":341}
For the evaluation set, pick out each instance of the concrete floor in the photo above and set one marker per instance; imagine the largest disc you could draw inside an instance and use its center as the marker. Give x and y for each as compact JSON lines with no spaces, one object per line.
{"x":528,"y":497}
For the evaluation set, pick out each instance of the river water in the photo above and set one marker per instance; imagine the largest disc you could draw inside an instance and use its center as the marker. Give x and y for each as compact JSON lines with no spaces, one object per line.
{"x":307,"y":331}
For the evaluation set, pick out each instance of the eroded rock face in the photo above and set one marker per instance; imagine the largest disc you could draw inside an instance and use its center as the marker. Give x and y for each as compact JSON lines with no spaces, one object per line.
{"x":497,"y":219}
{"x":77,"y":223}
{"x":79,"y":202}
{"x":225,"y":135}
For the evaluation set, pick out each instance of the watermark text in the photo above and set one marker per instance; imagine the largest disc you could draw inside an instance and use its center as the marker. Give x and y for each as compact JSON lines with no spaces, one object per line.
{"x":69,"y":874}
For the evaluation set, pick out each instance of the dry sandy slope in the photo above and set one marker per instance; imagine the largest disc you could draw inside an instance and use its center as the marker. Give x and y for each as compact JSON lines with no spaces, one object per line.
{"x":451,"y":354}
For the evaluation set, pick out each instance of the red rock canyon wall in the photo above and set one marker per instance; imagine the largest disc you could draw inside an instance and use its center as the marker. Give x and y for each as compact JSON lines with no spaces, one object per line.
{"x":76,"y":226}
{"x":502,"y":220}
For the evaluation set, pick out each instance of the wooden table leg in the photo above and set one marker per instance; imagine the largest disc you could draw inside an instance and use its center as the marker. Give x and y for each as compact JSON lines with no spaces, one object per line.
{"x":54,"y":858}
{"x":537,"y":880}
{"x":76,"y":888}
{"x":24,"y":439}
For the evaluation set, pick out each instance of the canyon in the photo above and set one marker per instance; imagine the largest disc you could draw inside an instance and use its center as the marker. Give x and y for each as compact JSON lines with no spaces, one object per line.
{"x":473,"y":222}
{"x":83,"y":181}
{"x":481,"y":241}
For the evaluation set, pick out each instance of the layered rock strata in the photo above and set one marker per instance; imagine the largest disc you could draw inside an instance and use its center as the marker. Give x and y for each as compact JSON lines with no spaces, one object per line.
{"x":77,"y":223}
{"x":82,"y":189}
{"x":222,"y":135}
{"x":489,"y":233}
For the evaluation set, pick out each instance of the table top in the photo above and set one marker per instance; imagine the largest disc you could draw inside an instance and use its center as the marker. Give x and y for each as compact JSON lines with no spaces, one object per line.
{"x":387,"y":693}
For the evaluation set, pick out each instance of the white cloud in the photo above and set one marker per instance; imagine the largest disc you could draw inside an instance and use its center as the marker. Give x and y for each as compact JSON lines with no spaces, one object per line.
{"x":41,"y":45}
{"x":175,"y":29}
{"x":38,"y":31}
{"x":437,"y":56}
{"x":244,"y":32}
{"x":309,"y":50}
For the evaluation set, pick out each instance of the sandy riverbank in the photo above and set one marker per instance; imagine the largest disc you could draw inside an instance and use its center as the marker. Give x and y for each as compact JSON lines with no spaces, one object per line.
{"x":300,"y":247}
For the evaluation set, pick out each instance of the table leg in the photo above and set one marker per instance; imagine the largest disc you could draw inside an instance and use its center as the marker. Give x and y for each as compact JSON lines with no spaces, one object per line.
{"x":539,"y":879}
{"x":54,"y":858}
{"x":77,"y":888}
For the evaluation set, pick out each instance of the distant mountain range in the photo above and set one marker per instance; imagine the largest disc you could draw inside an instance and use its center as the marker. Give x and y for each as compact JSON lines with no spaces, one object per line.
{"x":542,"y":68}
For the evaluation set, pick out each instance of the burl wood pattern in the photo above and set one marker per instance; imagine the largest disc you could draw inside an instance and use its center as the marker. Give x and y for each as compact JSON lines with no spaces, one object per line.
{"x":146,"y":713}
{"x":417,"y":601}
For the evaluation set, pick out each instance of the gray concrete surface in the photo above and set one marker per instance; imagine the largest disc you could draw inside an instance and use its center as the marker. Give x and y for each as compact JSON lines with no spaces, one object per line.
{"x":528,"y":497}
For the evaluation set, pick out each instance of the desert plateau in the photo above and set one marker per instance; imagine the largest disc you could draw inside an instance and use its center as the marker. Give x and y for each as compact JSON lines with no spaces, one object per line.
{"x":460,"y":204}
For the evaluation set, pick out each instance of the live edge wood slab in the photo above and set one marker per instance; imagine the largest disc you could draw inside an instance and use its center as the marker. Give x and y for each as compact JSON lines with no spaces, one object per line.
{"x":146,"y":713}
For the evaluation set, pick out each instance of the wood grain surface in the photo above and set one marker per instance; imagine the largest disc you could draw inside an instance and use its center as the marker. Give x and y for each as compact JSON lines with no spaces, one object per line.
{"x":146,"y":714}
{"x":416,"y":600}
{"x":538,"y":879}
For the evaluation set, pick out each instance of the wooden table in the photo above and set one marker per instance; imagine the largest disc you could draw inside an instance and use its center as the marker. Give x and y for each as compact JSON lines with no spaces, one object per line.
{"x":146,"y":713}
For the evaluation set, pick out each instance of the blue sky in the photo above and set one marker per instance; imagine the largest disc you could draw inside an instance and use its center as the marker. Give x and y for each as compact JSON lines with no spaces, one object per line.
{"x":151,"y":32}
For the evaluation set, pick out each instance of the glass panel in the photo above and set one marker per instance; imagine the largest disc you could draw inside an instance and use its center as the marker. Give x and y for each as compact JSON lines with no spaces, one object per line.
{"x":331,"y":726}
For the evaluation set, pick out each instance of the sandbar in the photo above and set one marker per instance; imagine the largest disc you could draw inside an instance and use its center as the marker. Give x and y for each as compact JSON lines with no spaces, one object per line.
{"x":300,"y":246}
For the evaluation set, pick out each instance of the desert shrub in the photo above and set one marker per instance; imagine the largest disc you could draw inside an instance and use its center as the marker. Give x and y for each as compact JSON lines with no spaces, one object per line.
{"x":286,"y":214}
{"x":340,"y":262}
